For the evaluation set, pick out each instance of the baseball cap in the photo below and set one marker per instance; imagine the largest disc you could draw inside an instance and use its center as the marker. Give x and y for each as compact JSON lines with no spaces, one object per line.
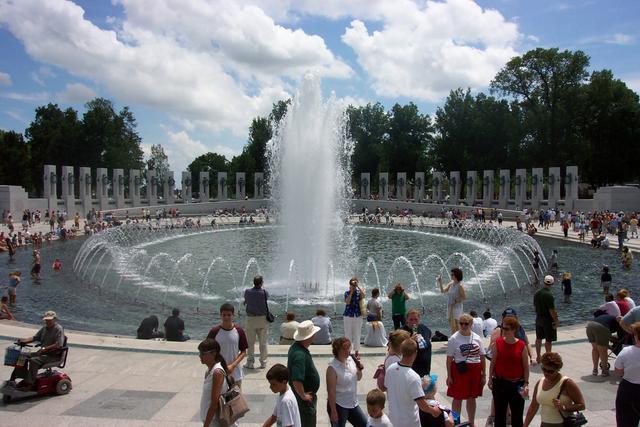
{"x":49,"y":315}
{"x":509,"y":312}
{"x":548,"y":280}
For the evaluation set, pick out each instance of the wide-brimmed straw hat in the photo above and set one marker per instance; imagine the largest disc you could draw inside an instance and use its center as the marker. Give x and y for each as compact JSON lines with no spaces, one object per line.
{"x":305,"y":330}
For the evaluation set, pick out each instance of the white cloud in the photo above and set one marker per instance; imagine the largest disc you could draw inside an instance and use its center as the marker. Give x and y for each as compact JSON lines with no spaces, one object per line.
{"x":41,"y":74}
{"x":423,"y":51}
{"x":182,"y":149}
{"x":5,"y":79}
{"x":26,"y":97}
{"x":633,"y":82}
{"x":616,"y":38}
{"x":16,"y":116}
{"x":76,"y":93}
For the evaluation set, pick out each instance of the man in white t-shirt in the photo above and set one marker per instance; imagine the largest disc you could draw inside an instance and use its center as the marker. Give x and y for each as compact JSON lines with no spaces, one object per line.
{"x":478,"y":323}
{"x":488,"y":325}
{"x":404,"y":389}
{"x":232,"y":339}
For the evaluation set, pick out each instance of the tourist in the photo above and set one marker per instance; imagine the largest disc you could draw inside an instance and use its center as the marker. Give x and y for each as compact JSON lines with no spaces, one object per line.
{"x":466,"y":367}
{"x":478,"y":324}
{"x":430,"y":388}
{"x":488,"y":324}
{"x":627,"y":297}
{"x":404,"y":389}
{"x":232,"y":340}
{"x":52,"y":340}
{"x":394,"y":351}
{"x":566,"y":287}
{"x":35,"y":269}
{"x":14,"y":280}
{"x":216,"y":382}
{"x":535,"y":264}
{"x":374,"y":308}
{"x":10,"y":248}
{"x":626,"y":257}
{"x":553,"y":262}
{"x":399,"y":299}
{"x":421,"y":334}
{"x":148,"y":328}
{"x":455,"y":296}
{"x":285,"y":413}
{"x":554,"y":393}
{"x":174,"y":327}
{"x":376,"y":334}
{"x":627,"y":366}
{"x":509,"y":374}
{"x":633,"y":227}
{"x":288,"y":329}
{"x":5,"y":313}
{"x":353,"y":313}
{"x":599,"y":331}
{"x":57,"y":265}
{"x":622,"y":303}
{"x":256,"y":324}
{"x":375,"y":408}
{"x":343,"y":374}
{"x":629,"y":319}
{"x":304,"y":378}
{"x":546,"y":317}
{"x":605,"y":279}
{"x":520,"y":334}
{"x":321,"y":320}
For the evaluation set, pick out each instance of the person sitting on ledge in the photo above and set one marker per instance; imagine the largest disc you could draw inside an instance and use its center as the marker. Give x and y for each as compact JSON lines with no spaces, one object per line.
{"x":376,"y":334}
{"x":148,"y":328}
{"x":323,"y":336}
{"x":288,"y":328}
{"x":174,"y":327}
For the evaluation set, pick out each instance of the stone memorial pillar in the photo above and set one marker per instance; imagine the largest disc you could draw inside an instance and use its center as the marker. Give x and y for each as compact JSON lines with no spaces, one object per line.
{"x":258,"y":185}
{"x":50,"y":187}
{"x":222,"y":186}
{"x":570,"y":186}
{"x":419,"y":186}
{"x":553,"y":184}
{"x":204,"y":186}
{"x":383,"y":186}
{"x":504,"y":193}
{"x":84,"y":190}
{"x":152,"y":187}
{"x":537,"y":184}
{"x":241,"y":185}
{"x":135,"y":181}
{"x":365,"y":185}
{"x":102,"y":188}
{"x":471,"y":188}
{"x":68,"y":190}
{"x":521,"y":188}
{"x":455,"y":185}
{"x":401,"y":186}
{"x":487,"y":189}
{"x":118,"y":187}
{"x":186,"y":186}
{"x":170,"y":188}
{"x":436,"y":184}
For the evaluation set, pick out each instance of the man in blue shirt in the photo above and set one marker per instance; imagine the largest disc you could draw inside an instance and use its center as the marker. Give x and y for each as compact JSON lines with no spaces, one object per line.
{"x":255,"y":301}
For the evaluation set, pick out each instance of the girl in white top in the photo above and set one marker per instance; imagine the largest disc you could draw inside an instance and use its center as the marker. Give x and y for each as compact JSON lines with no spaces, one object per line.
{"x":215,"y":382}
{"x":343,"y":375}
{"x":627,"y":366}
{"x":455,"y":295}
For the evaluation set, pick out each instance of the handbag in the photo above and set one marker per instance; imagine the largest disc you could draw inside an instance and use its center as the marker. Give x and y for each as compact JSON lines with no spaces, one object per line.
{"x":574,"y":419}
{"x":270,"y":317}
{"x":233,"y":405}
{"x":462,"y":367}
{"x":379,"y":375}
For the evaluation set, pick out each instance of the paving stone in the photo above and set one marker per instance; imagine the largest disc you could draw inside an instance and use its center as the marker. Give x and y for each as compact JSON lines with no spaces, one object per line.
{"x":128,"y":404}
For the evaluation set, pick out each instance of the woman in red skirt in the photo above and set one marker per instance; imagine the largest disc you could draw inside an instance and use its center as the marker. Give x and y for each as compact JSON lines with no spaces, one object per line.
{"x":466,"y":367}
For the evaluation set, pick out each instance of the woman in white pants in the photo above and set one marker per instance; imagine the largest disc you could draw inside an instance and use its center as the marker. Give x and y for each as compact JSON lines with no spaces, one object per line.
{"x":353,"y":312}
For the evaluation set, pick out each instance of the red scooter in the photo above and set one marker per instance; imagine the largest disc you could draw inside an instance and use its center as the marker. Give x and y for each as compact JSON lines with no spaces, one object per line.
{"x":47,"y":382}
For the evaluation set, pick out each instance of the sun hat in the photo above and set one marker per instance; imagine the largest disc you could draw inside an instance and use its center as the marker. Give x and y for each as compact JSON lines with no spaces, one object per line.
{"x":50,"y":315}
{"x":509,"y":312}
{"x":549,"y":280}
{"x":305,"y":330}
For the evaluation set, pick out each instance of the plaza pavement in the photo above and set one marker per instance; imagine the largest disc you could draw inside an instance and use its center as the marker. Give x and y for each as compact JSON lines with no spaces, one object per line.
{"x":121,"y":381}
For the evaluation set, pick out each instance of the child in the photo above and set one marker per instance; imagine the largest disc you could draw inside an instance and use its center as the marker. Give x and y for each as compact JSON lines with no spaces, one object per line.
{"x":233,"y":341}
{"x":14,"y":281}
{"x":554,"y":261}
{"x":605,"y":279}
{"x":582,"y":231}
{"x":446,"y":417}
{"x":57,"y":265}
{"x":375,"y":407}
{"x":5,"y":313}
{"x":566,"y":287}
{"x":286,"y":412}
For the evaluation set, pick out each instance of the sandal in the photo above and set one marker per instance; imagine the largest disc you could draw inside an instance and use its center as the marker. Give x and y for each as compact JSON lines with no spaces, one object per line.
{"x":595,"y":372}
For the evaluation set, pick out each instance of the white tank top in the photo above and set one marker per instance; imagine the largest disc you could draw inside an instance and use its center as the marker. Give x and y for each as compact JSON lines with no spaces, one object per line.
{"x":346,"y":383}
{"x":205,"y":400}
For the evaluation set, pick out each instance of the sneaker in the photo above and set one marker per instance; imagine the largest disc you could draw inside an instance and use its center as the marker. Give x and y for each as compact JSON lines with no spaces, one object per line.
{"x":263,"y":365}
{"x":605,"y":373}
{"x":249,"y":366}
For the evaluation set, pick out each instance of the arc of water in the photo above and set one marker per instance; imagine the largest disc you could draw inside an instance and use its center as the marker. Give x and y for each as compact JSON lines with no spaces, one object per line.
{"x":371,"y":262}
{"x":104,"y":278}
{"x":146,"y":271}
{"x":184,"y":257}
{"x":425,"y":264}
{"x":292,"y":264}
{"x":493,"y":264}
{"x":88,"y":264}
{"x":473,"y":268}
{"x":205,"y":282}
{"x":95,"y":269}
{"x":131,"y":261}
{"x":526,"y":272}
{"x":252,"y":261}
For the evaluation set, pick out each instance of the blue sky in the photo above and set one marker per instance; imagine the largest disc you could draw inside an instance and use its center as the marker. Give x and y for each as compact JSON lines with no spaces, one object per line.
{"x":195,"y":72}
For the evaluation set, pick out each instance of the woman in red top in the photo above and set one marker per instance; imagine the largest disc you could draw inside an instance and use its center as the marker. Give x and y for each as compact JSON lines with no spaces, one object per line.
{"x":509,"y":374}
{"x":623,"y":304}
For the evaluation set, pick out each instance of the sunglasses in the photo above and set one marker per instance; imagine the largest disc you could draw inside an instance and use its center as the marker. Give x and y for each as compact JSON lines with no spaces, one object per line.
{"x":202,"y":353}
{"x":464,"y":323}
{"x":548,"y":370}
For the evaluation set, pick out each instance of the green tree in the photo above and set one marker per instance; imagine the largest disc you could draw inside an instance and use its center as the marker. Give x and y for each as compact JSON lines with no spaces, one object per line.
{"x":368,"y":128}
{"x":158,"y":161}
{"x":14,"y":161}
{"x":208,"y":162}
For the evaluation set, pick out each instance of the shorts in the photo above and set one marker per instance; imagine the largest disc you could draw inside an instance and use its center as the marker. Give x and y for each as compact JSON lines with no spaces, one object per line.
{"x":11,"y":290}
{"x":545,"y":330}
{"x":36,"y":269}
{"x":467,"y":385}
{"x":598,"y":333}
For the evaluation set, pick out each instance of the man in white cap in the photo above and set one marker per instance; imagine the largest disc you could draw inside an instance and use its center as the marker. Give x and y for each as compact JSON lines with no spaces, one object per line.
{"x":51,"y":339}
{"x":303,"y":375}
{"x":546,"y":317}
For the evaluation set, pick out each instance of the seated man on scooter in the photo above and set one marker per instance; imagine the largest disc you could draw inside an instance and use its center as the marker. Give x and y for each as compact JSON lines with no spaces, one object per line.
{"x":51,"y":338}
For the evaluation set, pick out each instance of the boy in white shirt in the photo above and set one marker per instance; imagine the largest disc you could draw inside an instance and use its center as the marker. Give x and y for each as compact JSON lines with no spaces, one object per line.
{"x":375,"y":407}
{"x":286,"y":413}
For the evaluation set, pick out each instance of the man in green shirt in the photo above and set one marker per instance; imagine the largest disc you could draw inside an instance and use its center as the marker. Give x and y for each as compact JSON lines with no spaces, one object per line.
{"x":398,"y":299}
{"x":304,"y":378}
{"x":546,"y":317}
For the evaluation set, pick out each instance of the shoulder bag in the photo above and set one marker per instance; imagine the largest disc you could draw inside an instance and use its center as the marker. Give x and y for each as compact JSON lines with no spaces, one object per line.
{"x":233,"y":404}
{"x":574,"y":419}
{"x":379,"y":375}
{"x":270,"y":317}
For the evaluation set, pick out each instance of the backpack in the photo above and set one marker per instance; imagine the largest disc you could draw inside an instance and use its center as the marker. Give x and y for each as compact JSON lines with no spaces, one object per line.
{"x":379,"y":374}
